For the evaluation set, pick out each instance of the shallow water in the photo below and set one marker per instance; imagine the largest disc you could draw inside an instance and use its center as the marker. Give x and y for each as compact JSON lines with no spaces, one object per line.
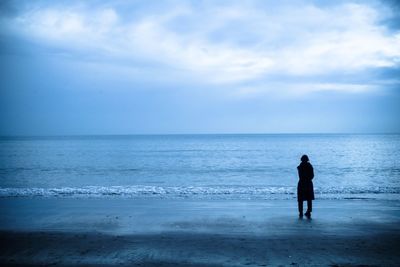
{"x":199,"y":166}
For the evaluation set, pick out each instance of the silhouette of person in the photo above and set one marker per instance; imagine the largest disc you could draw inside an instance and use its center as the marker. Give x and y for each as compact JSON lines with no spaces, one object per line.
{"x":305,"y":188}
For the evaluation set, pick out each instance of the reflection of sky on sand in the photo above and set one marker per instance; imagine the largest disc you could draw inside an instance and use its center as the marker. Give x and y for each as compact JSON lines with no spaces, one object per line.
{"x":225,"y":217}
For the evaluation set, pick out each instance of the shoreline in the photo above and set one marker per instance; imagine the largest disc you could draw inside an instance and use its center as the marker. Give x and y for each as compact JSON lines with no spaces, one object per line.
{"x":148,"y":232}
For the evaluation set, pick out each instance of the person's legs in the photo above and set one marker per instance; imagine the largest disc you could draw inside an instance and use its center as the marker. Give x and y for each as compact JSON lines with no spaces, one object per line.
{"x":300,"y":203}
{"x":309,"y":208}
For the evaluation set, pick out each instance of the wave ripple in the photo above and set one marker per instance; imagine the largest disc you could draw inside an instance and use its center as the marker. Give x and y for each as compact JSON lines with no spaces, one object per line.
{"x":211,"y":192}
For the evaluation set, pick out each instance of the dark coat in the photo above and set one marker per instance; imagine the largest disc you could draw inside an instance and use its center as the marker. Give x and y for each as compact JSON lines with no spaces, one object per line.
{"x":305,"y":188}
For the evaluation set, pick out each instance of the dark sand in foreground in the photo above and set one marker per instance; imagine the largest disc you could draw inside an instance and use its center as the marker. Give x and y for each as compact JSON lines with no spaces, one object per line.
{"x":150,"y":232}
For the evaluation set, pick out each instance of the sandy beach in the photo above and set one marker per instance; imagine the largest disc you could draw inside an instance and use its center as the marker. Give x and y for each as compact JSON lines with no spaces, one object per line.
{"x":154,"y":232}
{"x":184,"y":132}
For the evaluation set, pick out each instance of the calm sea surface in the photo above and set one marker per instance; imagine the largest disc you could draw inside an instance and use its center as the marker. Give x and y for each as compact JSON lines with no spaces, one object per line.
{"x":199,"y":166}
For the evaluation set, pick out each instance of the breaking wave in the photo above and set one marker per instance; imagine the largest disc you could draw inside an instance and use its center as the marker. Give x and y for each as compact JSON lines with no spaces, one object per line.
{"x":207,"y":192}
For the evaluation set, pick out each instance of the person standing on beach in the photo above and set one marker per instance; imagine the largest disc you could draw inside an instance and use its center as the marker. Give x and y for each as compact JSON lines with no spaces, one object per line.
{"x":305,"y":188}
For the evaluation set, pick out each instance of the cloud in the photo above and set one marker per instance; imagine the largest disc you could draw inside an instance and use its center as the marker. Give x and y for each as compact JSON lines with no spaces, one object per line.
{"x":290,"y":89}
{"x":227,"y":44}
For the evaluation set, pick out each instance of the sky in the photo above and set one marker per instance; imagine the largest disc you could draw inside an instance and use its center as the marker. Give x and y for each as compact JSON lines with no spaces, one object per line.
{"x":172,"y":67}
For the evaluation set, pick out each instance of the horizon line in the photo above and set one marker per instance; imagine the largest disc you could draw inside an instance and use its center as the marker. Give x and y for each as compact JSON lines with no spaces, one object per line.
{"x":187,"y":134}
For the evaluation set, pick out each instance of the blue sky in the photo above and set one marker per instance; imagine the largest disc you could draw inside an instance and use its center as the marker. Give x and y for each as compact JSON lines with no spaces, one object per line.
{"x":135,"y":67}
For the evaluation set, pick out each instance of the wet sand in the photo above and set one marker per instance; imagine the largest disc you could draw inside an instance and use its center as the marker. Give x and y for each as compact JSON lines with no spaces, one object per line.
{"x":151,"y":232}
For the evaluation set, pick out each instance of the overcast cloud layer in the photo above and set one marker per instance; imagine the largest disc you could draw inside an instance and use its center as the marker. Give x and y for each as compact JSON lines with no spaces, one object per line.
{"x":274,"y":50}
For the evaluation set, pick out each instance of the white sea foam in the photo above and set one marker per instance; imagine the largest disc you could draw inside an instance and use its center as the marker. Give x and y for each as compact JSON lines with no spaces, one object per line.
{"x":220,"y":192}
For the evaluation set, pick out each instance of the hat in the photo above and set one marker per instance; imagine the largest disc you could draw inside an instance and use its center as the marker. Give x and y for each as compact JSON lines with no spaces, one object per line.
{"x":304,"y":158}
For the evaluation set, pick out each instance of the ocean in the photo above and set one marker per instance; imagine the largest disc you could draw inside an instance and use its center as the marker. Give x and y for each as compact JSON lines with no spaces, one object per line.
{"x":232,"y":166}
